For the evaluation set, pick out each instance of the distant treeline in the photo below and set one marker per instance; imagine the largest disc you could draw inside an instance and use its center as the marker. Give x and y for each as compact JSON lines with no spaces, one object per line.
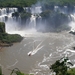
{"x":59,"y":2}
{"x":16,"y":3}
{"x":26,"y":3}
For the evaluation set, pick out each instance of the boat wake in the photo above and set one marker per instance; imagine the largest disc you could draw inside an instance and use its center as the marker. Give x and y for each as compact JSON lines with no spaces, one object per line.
{"x":34,"y":51}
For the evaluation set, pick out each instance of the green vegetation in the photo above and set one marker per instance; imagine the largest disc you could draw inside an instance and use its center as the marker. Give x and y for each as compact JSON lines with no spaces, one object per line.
{"x":22,"y":3}
{"x":16,"y":3}
{"x":25,"y":15}
{"x":60,"y":67}
{"x":59,"y":2}
{"x":8,"y":38}
{"x":16,"y":71}
{"x":56,"y":21}
{"x":71,"y":71}
{"x":26,"y":3}
{"x":2,"y":27}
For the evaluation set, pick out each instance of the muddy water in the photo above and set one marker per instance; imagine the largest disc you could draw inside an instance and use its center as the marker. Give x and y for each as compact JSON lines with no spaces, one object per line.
{"x":45,"y":48}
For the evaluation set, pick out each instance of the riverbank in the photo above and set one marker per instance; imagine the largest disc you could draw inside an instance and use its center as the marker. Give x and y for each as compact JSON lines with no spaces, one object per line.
{"x":6,"y":39}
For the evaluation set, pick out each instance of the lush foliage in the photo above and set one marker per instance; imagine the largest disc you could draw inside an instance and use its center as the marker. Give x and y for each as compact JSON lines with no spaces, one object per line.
{"x":25,"y":3}
{"x":16,"y":3}
{"x":24,"y":16}
{"x":59,"y":2}
{"x":71,"y":71}
{"x":16,"y":71}
{"x":2,"y":27}
{"x":60,"y":67}
{"x":8,"y":38}
{"x":55,"y":21}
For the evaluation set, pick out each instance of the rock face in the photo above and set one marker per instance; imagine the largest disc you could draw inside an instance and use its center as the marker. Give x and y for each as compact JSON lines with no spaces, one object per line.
{"x":55,"y":21}
{"x":2,"y":27}
{"x":7,"y":39}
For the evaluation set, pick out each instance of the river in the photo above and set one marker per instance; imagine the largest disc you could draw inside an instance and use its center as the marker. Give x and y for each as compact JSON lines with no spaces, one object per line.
{"x":46,"y":48}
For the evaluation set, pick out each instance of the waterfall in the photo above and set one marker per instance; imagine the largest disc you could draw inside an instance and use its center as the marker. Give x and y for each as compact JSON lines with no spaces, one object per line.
{"x":72,"y":23}
{"x":35,"y":11}
{"x":14,"y":26}
{"x":56,"y":8}
{"x":33,"y":21}
{"x":6,"y":13}
{"x":63,"y":9}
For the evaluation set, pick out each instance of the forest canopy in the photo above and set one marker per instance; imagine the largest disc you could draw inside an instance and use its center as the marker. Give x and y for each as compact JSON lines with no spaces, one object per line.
{"x":16,"y":3}
{"x":27,"y":3}
{"x":59,"y":2}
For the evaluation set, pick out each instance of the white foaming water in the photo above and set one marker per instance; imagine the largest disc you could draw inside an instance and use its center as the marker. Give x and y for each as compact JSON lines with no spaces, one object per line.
{"x":36,"y":10}
{"x":12,"y":27}
{"x":35,"y":50}
{"x":61,"y":10}
{"x":56,"y":8}
{"x":24,"y":33}
{"x":43,"y":65}
{"x":35,"y":13}
{"x":33,"y":21}
{"x":6,"y":12}
{"x":72,"y":23}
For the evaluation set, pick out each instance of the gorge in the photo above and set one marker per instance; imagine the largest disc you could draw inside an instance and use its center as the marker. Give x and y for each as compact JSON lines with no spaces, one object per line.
{"x":46,"y":36}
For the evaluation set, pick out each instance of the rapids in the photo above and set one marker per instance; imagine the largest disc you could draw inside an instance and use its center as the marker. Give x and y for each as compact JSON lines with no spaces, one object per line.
{"x":46,"y":48}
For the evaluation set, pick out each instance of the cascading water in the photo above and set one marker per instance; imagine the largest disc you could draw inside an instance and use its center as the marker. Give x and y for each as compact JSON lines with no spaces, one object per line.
{"x":35,"y":11}
{"x":13,"y":26}
{"x":6,"y":12}
{"x":63,"y":10}
{"x":33,"y":21}
{"x":48,"y":47}
{"x":6,"y":16}
{"x":71,"y":14}
{"x":72,"y":23}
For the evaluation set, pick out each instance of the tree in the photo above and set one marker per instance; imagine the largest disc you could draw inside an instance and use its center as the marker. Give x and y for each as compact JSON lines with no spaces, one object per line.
{"x":60,"y":66}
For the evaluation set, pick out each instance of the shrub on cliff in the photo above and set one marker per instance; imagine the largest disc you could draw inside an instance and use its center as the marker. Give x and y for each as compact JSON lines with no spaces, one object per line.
{"x":55,"y":21}
{"x":8,"y":38}
{"x":11,"y":38}
{"x":2,"y":27}
{"x":16,"y":14}
{"x":25,"y":15}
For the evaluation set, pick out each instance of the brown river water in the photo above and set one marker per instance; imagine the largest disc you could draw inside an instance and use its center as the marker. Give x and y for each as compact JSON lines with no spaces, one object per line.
{"x":45,"y":49}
